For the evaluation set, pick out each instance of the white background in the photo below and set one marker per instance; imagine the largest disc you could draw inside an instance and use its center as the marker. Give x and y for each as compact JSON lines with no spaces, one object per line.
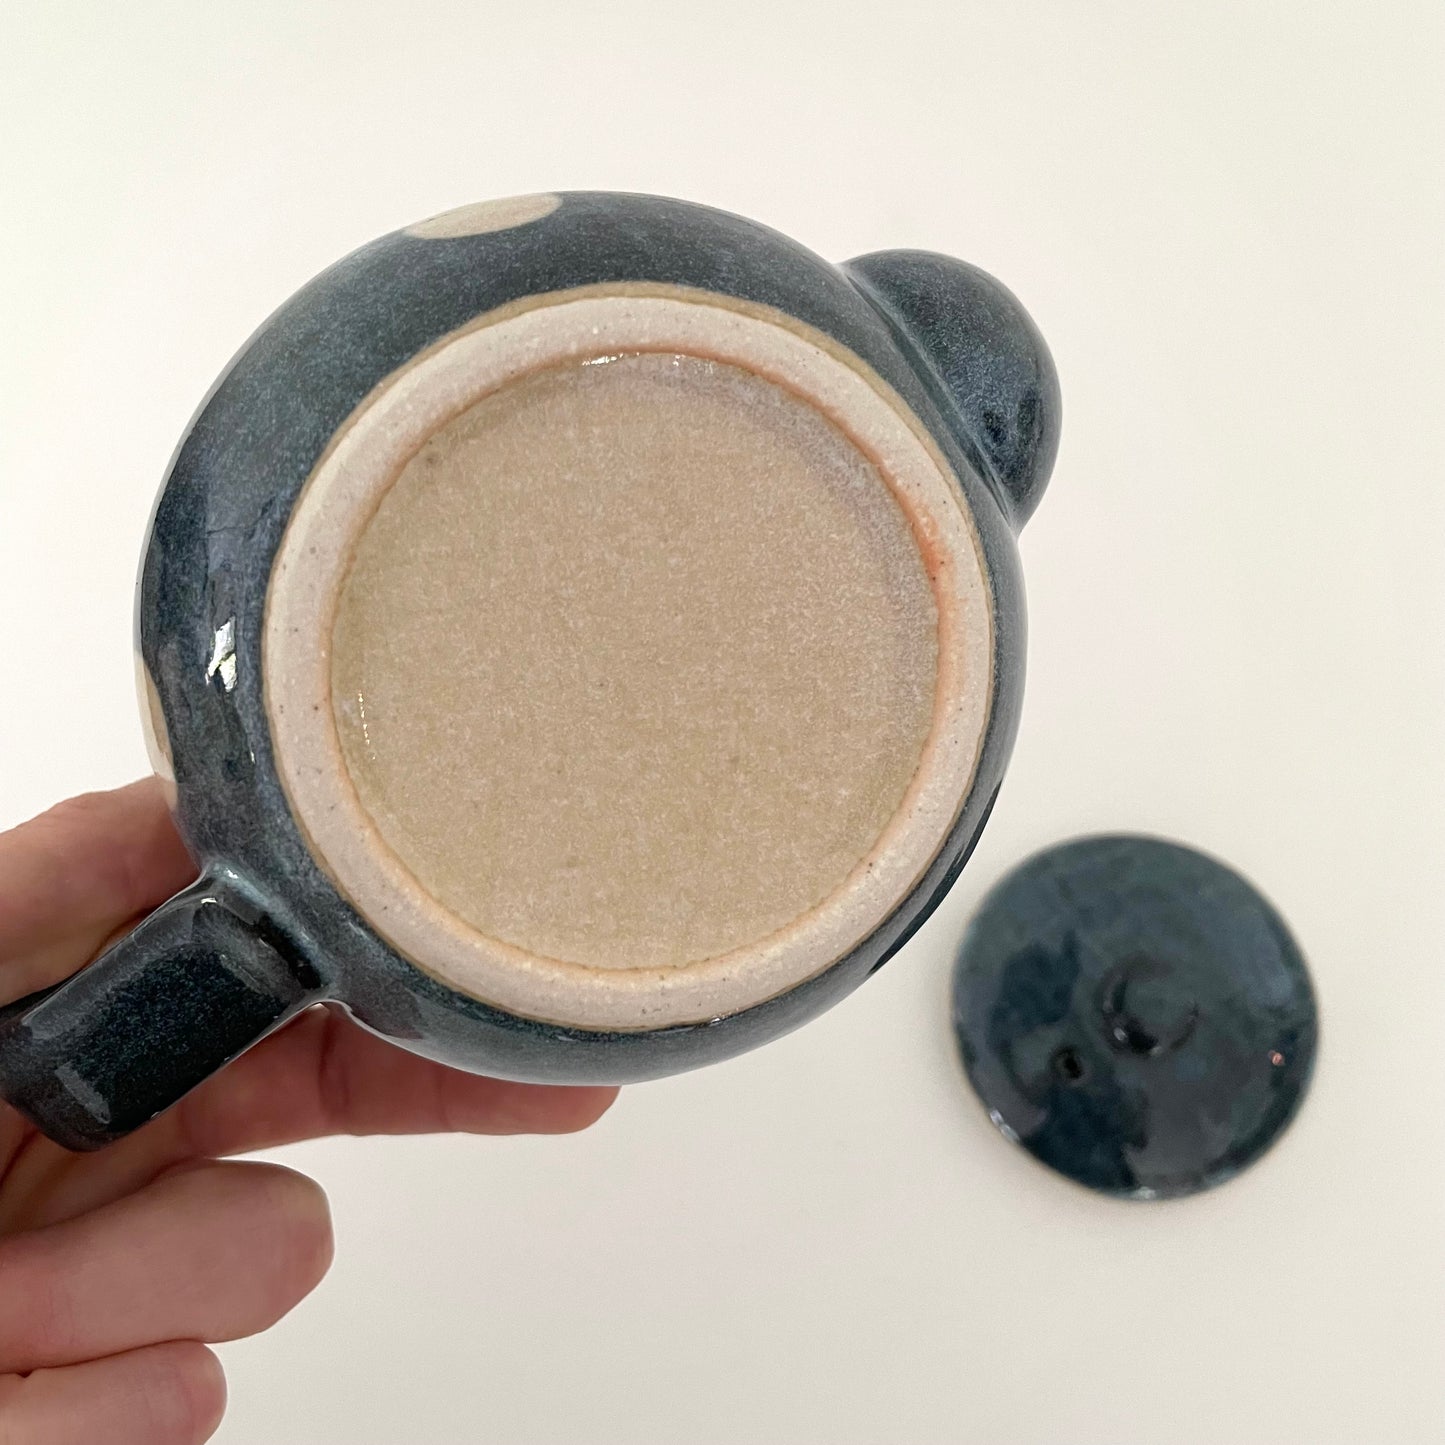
{"x":1227,"y":220}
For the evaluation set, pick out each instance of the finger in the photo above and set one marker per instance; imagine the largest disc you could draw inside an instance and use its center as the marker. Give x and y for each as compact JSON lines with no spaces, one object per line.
{"x":210,"y":1252}
{"x":320,"y":1075}
{"x":73,"y":876}
{"x":170,"y":1394}
{"x":325,"y":1075}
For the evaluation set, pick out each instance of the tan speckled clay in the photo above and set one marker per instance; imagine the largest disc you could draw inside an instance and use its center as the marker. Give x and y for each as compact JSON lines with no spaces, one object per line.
{"x":635,"y":661}
{"x":628,"y":657}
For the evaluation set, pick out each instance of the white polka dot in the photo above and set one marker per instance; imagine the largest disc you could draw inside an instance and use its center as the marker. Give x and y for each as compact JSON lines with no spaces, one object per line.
{"x":484,"y":216}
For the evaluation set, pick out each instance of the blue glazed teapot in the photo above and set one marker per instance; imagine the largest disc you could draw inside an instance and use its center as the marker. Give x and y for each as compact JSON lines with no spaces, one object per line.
{"x":583,"y":638}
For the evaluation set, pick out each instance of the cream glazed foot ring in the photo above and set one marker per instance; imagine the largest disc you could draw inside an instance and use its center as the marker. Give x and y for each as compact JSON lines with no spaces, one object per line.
{"x":583,"y":634}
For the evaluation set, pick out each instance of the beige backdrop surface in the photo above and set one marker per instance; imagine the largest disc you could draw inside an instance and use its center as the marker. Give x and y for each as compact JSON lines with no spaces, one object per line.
{"x":1227,"y":221}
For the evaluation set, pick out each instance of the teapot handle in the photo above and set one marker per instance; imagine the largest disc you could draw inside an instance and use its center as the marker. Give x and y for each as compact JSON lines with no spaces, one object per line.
{"x":192,"y":986}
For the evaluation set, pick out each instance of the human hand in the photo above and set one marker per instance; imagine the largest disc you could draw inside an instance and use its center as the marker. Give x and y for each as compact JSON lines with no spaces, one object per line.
{"x":117,"y":1267}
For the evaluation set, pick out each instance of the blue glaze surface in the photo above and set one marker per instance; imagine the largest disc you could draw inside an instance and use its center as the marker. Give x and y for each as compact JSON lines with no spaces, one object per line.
{"x":1135,"y":1015}
{"x":954,"y":345}
{"x":196,"y":984}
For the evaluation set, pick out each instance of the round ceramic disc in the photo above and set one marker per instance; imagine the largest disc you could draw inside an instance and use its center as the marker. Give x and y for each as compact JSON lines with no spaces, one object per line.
{"x":1135,"y":1015}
